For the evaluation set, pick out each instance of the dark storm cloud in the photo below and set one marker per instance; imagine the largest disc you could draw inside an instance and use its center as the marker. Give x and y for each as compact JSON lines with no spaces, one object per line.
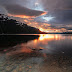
{"x":3,"y":2}
{"x":19,"y":10}
{"x":57,"y":4}
{"x":61,"y":16}
{"x":61,"y":10}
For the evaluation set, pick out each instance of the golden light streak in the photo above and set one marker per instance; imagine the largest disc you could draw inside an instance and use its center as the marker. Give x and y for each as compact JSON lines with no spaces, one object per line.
{"x":35,"y":40}
{"x":25,"y":16}
{"x":50,"y":30}
{"x":21,"y":16}
{"x":29,"y":23}
{"x":43,"y":30}
{"x":43,"y":37}
{"x":25,"y":20}
{"x":44,"y":27}
{"x":44,"y":13}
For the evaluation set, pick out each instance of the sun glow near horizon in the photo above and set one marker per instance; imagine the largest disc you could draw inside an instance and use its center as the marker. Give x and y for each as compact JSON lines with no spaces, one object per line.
{"x":43,"y":27}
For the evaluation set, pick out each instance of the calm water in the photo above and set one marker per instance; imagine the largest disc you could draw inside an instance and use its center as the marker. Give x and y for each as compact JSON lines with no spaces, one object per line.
{"x":46,"y":53}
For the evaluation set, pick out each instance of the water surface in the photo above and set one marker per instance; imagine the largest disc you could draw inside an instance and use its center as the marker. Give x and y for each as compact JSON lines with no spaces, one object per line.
{"x":46,"y":53}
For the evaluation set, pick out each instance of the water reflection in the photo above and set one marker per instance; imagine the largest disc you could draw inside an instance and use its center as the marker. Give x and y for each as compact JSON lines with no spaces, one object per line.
{"x":12,"y":40}
{"x":48,"y":53}
{"x":49,"y":37}
{"x":52,"y":43}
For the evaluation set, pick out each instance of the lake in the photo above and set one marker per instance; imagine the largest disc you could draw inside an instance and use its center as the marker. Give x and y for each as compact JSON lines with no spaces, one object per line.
{"x":36,"y":53}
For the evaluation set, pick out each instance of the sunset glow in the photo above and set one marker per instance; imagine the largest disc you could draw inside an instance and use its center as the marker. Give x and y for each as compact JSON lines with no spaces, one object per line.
{"x":55,"y":14}
{"x":22,"y":16}
{"x":25,"y":16}
{"x":43,"y":30}
{"x":35,"y":35}
{"x":43,"y":27}
{"x":43,"y":37}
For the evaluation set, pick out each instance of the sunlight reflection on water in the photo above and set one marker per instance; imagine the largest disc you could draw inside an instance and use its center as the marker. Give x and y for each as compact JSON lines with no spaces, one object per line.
{"x":50,"y":52}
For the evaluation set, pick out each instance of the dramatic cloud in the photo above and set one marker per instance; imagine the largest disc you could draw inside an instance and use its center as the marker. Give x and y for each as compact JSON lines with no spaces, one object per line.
{"x":19,"y":10}
{"x":57,"y":4}
{"x":61,"y":16}
{"x":59,"y":10}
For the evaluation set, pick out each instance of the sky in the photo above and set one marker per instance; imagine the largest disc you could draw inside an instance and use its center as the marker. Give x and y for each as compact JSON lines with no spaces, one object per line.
{"x":46,"y":15}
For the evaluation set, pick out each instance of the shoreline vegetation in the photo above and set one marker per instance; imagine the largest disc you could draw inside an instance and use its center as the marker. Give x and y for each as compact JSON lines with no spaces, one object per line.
{"x":10,"y":26}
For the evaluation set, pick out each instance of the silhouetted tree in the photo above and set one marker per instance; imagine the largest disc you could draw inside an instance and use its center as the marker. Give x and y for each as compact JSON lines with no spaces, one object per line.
{"x":11,"y":26}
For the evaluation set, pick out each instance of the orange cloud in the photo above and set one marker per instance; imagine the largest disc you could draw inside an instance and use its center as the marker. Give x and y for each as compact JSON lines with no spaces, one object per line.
{"x":25,"y":16}
{"x":21,"y":16}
